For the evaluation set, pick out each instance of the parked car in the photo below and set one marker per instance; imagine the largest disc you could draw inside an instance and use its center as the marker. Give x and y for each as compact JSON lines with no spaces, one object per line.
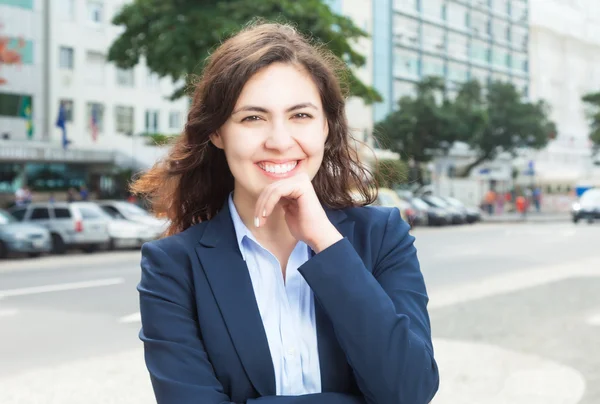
{"x":389,"y":198}
{"x":125,"y":233}
{"x":22,"y":238}
{"x":587,"y":207}
{"x":81,"y":225}
{"x":472,"y":213}
{"x":456,"y":216}
{"x":133,"y":213}
{"x":434,"y":216}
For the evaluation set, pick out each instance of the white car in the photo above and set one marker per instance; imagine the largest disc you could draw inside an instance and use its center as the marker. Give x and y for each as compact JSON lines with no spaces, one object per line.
{"x":133,"y":213}
{"x":126,"y":234}
{"x":80,"y":225}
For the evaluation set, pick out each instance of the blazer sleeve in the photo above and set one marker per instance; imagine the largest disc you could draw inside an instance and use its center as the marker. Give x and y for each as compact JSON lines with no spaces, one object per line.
{"x":180,"y":370}
{"x":380,"y":318}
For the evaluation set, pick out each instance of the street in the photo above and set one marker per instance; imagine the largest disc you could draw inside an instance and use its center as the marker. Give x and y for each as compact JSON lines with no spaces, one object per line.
{"x":515,"y":313}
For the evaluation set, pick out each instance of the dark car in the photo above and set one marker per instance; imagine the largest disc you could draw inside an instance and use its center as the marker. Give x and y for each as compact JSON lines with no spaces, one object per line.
{"x":588,"y":206}
{"x":456,"y":215}
{"x":471,"y":213}
{"x":432,"y":216}
{"x":22,"y":238}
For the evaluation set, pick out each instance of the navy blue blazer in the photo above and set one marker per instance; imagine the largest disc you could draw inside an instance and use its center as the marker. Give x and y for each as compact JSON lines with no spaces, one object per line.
{"x":205,"y":343}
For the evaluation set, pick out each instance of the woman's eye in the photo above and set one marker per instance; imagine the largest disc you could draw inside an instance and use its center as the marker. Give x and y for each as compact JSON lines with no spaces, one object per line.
{"x":302,"y":115}
{"x":251,"y":118}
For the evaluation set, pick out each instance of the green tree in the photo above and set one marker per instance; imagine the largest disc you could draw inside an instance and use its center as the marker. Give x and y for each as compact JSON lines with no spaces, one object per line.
{"x":504,"y":123}
{"x":390,"y":173}
{"x":176,"y":36}
{"x":593,"y":101}
{"x":421,"y":126}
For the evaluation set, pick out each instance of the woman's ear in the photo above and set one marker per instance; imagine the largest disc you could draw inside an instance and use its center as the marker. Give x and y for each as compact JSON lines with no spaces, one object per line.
{"x":217,"y":140}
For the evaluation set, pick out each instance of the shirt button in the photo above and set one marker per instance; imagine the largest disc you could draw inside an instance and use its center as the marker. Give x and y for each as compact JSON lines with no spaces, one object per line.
{"x":291,"y":352}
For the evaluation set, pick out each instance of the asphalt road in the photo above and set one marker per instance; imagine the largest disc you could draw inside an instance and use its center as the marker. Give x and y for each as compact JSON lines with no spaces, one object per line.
{"x":515,"y":313}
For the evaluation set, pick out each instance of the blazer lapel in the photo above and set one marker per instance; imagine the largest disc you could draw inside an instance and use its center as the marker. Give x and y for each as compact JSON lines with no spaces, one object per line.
{"x":335,"y":371}
{"x":230,"y":281}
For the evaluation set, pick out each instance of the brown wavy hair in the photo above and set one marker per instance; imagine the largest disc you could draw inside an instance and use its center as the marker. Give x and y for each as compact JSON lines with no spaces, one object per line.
{"x":193,"y":182}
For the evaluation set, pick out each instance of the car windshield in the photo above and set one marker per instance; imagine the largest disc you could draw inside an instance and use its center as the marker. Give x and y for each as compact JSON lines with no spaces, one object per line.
{"x":591,"y":198}
{"x":6,"y":218}
{"x":419,"y":204}
{"x":437,"y":201}
{"x":454,"y":202}
{"x":132,"y":210}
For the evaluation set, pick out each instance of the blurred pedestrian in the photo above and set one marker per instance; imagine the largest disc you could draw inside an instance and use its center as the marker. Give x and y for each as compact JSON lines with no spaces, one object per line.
{"x":83,"y":193}
{"x":537,"y":199}
{"x":267,"y":245}
{"x":71,"y":195}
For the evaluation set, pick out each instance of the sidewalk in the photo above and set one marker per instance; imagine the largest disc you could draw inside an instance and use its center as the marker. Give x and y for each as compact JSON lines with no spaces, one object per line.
{"x":532,"y":217}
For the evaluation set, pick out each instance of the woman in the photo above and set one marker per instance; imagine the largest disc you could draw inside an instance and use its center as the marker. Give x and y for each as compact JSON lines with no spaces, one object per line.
{"x":272,"y":287}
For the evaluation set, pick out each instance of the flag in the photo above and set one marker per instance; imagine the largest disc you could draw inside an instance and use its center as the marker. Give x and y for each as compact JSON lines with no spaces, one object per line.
{"x":94,"y":122}
{"x":61,"y":122}
{"x":26,"y":113}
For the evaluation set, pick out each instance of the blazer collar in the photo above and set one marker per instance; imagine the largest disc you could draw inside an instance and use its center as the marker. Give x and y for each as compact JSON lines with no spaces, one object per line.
{"x":228,"y":275}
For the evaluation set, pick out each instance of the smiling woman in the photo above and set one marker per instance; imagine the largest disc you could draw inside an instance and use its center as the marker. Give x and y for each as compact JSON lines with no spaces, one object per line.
{"x":274,"y":285}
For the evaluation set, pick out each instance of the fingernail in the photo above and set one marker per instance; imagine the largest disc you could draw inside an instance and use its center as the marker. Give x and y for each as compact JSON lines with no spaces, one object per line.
{"x":256,"y":222}
{"x":264,"y":213}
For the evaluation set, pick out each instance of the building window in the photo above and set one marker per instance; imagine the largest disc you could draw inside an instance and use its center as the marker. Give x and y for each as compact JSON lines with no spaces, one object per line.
{"x":152,"y":80}
{"x":174,"y":120}
{"x":433,"y":67}
{"x":433,"y":38}
{"x":95,"y":10}
{"x":407,"y":5}
{"x":406,"y":31}
{"x":125,"y":77}
{"x":432,"y":9}
{"x":151,"y":121}
{"x":11,"y":177}
{"x":67,"y":9}
{"x":99,"y":115}
{"x":124,"y":118}
{"x":56,"y":177}
{"x":406,"y":63}
{"x":94,"y":69}
{"x":66,"y":58}
{"x":11,"y":105}
{"x":68,"y":105}
{"x":457,"y":46}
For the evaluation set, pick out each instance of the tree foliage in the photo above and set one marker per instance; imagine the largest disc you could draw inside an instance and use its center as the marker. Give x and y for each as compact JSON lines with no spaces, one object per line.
{"x":593,"y":100}
{"x":176,"y":36}
{"x":420,"y":125}
{"x":489,"y":120}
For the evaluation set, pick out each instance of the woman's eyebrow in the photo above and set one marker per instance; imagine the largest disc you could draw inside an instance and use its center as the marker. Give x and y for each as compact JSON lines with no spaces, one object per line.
{"x":255,"y":108}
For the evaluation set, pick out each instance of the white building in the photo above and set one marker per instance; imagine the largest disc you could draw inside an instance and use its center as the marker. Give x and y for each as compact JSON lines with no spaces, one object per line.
{"x":64,"y":61}
{"x":565,"y":64}
{"x":361,"y":115}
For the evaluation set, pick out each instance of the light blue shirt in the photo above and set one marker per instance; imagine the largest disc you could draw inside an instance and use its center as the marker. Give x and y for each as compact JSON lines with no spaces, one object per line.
{"x":287,"y":310}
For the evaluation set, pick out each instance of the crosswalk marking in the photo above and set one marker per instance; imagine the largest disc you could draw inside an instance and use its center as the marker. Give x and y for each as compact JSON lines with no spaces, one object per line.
{"x":131,"y":318}
{"x":60,"y":287}
{"x":8,"y":312}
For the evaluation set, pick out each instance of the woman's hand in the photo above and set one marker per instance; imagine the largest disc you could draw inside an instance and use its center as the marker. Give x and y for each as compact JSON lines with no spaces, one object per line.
{"x":304,"y":214}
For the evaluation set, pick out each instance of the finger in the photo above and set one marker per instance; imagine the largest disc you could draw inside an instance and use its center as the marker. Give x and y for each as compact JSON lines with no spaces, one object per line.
{"x":289,"y":192}
{"x":259,"y":208}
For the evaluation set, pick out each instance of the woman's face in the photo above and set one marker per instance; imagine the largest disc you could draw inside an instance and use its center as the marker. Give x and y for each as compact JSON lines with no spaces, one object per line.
{"x":277,"y":129}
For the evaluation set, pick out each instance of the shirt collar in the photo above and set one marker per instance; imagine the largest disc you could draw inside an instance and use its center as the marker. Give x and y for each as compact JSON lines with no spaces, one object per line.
{"x":241,"y":231}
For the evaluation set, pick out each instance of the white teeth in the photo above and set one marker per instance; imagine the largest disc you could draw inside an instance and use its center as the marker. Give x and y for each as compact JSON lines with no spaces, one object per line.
{"x":278,"y":168}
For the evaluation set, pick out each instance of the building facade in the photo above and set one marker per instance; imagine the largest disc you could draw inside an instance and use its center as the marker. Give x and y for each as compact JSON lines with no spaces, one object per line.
{"x":565,"y":65}
{"x":457,"y":40}
{"x":63,"y":46}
